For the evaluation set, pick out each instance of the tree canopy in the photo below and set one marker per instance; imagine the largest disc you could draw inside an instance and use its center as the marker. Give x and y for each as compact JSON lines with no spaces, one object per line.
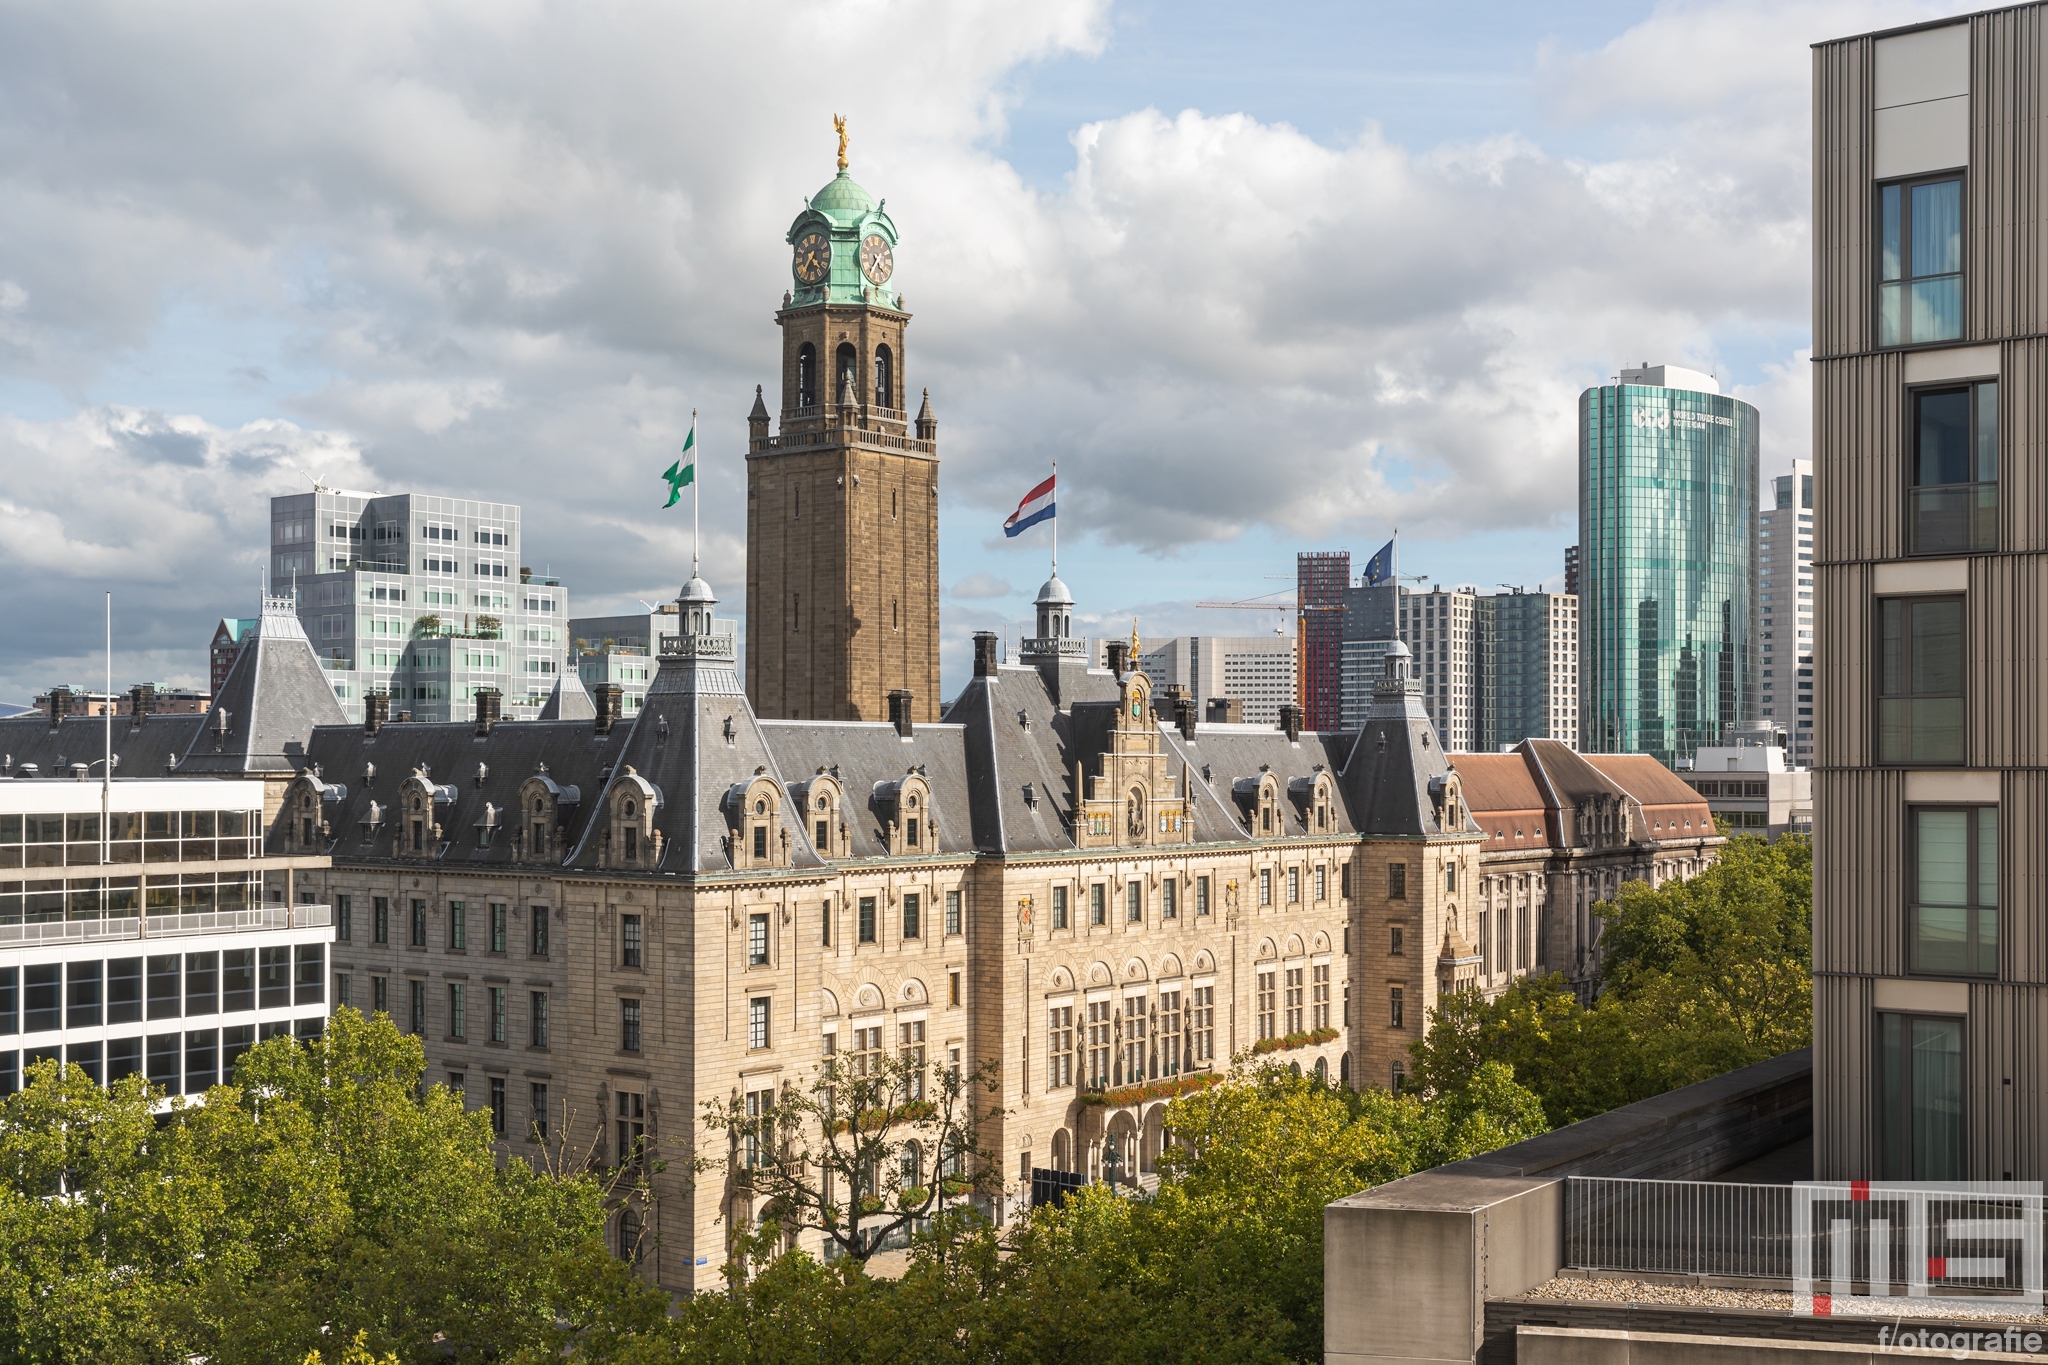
{"x":1698,"y":977}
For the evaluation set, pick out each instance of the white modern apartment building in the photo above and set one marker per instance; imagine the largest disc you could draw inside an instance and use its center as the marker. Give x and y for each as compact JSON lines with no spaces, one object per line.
{"x":1784,"y":609}
{"x":424,"y":599}
{"x":1442,"y":629}
{"x":1749,"y":786}
{"x":1256,"y":670}
{"x":143,"y":929}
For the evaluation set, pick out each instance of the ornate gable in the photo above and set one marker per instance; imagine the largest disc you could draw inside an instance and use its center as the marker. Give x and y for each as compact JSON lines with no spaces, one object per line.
{"x":1131,"y":798}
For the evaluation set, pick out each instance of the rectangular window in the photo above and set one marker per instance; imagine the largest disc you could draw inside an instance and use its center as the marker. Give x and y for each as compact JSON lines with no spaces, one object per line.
{"x":1319,"y":1002}
{"x":458,"y":925}
{"x":458,"y":1010}
{"x":498,"y":1105}
{"x":540,"y":931}
{"x":538,"y":1099}
{"x":124,"y":1058}
{"x":1169,"y":1038}
{"x":1202,"y":1024}
{"x":309,"y":973}
{"x":1135,"y":1046}
{"x":380,"y":995}
{"x":1394,"y":1007}
{"x":1954,"y":903}
{"x":380,"y":919}
{"x":124,"y":993}
{"x":1920,"y":266}
{"x":760,"y":842}
{"x":760,"y":1129}
{"x":1265,"y":886}
{"x":825,"y":924}
{"x":757,"y":940}
{"x":1201,"y":896}
{"x":1451,"y":877}
{"x":344,"y":918}
{"x":537,"y":1017}
{"x":1134,"y":902}
{"x":165,"y":998}
{"x":913,"y":926}
{"x":1955,"y":470}
{"x":1059,"y":907}
{"x":1920,"y":1097}
{"x":1059,"y":1034}
{"x":1920,"y":680}
{"x":273,"y":978}
{"x":757,"y":1022}
{"x":84,"y":984}
{"x":1100,"y":1026}
{"x":238,"y":981}
{"x":1397,"y":881}
{"x":629,"y":1025}
{"x":867,"y":919}
{"x":1098,"y":912}
{"x":1267,"y":1002}
{"x":1322,"y":882}
{"x":952,"y":988}
{"x":497,"y":926}
{"x":416,"y":1015}
{"x":952,"y":913}
{"x":1294,"y":886}
{"x":1168,"y":899}
{"x":910,"y":1043}
{"x":419,"y":924}
{"x":1344,"y":886}
{"x":497,"y":1004}
{"x":202,"y":1060}
{"x":632,"y":1125}
{"x":1295,"y":1014}
{"x":629,"y":939}
{"x":1394,"y":941}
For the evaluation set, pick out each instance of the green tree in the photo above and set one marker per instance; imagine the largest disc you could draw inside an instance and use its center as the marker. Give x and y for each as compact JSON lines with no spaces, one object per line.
{"x":324,"y":1197}
{"x":869,"y":1147}
{"x":1699,"y":977}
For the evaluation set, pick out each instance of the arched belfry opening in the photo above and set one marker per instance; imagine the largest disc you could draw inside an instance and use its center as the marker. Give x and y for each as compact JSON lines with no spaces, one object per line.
{"x":885,"y":380}
{"x":807,"y":376}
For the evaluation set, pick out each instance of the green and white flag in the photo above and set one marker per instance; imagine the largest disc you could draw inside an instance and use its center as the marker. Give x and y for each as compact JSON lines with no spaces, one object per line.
{"x":683,"y":472}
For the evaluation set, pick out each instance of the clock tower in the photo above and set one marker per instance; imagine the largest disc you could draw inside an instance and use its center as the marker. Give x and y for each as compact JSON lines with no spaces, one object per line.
{"x":842,"y":500}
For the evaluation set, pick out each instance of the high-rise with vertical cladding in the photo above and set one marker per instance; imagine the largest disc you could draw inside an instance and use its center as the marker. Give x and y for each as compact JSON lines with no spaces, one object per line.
{"x":1667,"y":563}
{"x":1930,"y":400}
{"x":1320,"y":580}
{"x":843,"y":500}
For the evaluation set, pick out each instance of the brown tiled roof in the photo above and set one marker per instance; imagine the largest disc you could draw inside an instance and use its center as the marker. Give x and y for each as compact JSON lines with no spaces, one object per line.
{"x":1647,"y":780}
{"x":1505,"y":799}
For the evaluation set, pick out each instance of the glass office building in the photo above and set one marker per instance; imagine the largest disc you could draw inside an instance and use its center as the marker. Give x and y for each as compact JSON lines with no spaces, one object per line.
{"x":1667,"y":511}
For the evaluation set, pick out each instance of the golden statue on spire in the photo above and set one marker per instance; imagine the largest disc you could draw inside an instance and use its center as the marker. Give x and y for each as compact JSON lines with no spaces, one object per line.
{"x":1134,"y":642}
{"x":839,"y":125}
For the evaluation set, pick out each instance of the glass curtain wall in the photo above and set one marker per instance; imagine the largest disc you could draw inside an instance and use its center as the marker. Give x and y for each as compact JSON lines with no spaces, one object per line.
{"x":1667,"y":505}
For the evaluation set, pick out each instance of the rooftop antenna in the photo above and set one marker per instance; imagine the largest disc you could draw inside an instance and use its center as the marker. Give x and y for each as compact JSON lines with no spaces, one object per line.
{"x":107,"y":755}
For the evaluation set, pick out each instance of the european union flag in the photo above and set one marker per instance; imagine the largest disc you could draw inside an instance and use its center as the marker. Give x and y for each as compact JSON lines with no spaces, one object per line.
{"x":1380,"y":568}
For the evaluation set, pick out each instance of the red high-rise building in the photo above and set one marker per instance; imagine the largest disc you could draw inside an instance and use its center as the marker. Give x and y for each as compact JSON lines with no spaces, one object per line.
{"x":1321,"y":576}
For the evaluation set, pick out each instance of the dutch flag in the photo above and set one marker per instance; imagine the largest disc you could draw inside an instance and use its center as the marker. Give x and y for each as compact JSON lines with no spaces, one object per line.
{"x":1036,"y":507}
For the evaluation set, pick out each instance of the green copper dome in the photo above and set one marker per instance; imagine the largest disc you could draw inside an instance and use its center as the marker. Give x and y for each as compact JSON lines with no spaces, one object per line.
{"x":845,"y":200}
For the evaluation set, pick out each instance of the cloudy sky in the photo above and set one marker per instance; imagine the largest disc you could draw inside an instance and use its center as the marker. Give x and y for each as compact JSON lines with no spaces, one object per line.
{"x":1261,"y":278}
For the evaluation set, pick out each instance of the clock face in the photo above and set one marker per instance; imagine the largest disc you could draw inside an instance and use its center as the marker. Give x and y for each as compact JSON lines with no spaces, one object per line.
{"x":876,"y":262}
{"x":813,"y":257}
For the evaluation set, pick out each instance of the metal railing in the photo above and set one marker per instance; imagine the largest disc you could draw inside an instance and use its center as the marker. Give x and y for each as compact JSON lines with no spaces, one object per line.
{"x":166,"y":926}
{"x":1678,"y":1227}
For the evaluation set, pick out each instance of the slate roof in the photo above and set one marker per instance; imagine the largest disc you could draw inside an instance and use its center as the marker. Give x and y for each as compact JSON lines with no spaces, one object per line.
{"x":568,"y":701}
{"x":866,"y":757}
{"x":143,"y":750}
{"x":273,"y":698}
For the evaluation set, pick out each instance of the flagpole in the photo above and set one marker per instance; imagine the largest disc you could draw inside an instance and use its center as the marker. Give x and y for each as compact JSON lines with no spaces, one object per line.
{"x":694,"y":484}
{"x":1055,"y":518}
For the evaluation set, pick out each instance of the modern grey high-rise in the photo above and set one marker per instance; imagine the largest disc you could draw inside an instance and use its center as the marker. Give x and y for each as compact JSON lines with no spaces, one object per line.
{"x":422,"y":598}
{"x":1930,"y":372}
{"x":1667,"y":563}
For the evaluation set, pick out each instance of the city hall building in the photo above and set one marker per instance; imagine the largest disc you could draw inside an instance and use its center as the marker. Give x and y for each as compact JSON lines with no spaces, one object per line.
{"x":599,"y":924}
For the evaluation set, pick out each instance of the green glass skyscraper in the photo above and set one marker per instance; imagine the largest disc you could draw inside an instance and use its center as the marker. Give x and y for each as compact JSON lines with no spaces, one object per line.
{"x":1667,"y":517}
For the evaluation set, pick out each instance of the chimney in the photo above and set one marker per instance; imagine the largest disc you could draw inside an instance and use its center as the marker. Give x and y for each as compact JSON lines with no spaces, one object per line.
{"x":376,"y":711}
{"x":1119,"y":657}
{"x":1290,"y":720}
{"x":985,"y":656}
{"x":1184,"y":716}
{"x":141,"y":703}
{"x":487,"y":702}
{"x":899,"y":710}
{"x":60,"y":704}
{"x":606,"y":697}
{"x":1226,"y":711}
